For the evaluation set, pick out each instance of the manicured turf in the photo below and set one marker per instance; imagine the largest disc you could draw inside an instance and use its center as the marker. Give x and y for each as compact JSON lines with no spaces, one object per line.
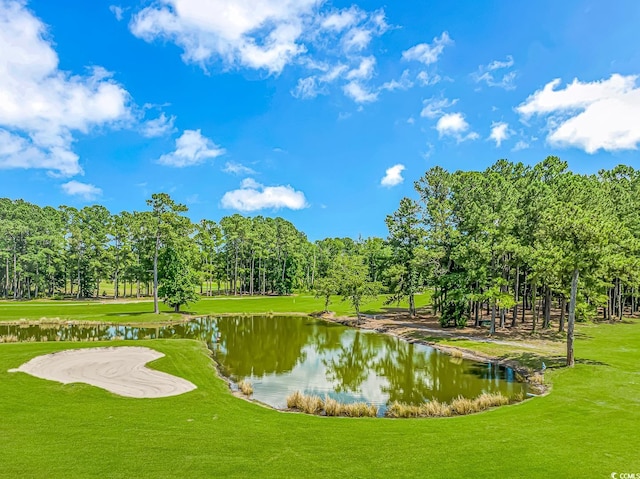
{"x":139,"y":311}
{"x":586,"y":427}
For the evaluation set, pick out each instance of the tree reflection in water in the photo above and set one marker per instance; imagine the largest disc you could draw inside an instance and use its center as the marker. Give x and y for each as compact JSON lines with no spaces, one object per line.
{"x":282,"y":354}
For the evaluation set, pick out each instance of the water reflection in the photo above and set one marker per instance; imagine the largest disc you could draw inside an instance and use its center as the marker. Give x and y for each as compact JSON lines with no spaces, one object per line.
{"x":280,"y":355}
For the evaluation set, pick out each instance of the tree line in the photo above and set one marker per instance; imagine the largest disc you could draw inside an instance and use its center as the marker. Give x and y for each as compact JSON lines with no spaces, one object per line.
{"x":517,"y":238}
{"x":500,"y":244}
{"x":160,"y":252}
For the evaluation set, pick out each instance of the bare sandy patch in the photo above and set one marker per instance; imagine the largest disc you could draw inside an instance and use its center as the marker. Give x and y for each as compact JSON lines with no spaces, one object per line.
{"x":120,"y":370}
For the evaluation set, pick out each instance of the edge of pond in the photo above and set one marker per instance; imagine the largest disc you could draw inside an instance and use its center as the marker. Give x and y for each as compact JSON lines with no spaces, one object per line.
{"x":526,"y":373}
{"x":540,"y":389}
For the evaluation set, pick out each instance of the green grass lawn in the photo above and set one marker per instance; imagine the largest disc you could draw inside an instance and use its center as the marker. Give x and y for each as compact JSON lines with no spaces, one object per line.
{"x":587,"y":427}
{"x":142,"y":311}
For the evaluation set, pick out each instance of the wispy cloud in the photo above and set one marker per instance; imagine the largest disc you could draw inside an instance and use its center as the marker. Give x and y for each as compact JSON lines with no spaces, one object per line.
{"x":428,"y":53}
{"x":237,"y":169}
{"x":497,"y":74}
{"x":85,"y":191}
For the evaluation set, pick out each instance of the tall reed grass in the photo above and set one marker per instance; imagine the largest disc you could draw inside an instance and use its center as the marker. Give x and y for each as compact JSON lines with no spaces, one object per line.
{"x":329,"y":407}
{"x":245,"y":387}
{"x":458,"y":407}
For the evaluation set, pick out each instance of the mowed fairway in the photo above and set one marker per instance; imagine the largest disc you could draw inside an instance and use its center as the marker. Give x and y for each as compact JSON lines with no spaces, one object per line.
{"x":142,"y":311}
{"x":587,"y":427}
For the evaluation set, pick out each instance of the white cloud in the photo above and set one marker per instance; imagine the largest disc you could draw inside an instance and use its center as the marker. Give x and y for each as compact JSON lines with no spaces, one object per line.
{"x":428,"y":53}
{"x":252,"y":196}
{"x":434,"y":107}
{"x":84,"y":190}
{"x":591,"y":116}
{"x":425,"y":79}
{"x":328,"y":44}
{"x":404,"y":83}
{"x":454,"y":125}
{"x":393,"y":176}
{"x":117,"y":11}
{"x":497,"y":64}
{"x":335,"y":72}
{"x":359,"y":37}
{"x":488,"y":75}
{"x":364,"y":70}
{"x":256,"y":34}
{"x":17,"y":152}
{"x":191,"y":149}
{"x":307,"y":88}
{"x":358,"y":93}
{"x":340,"y":20}
{"x":41,"y":107}
{"x":237,"y":169}
{"x":499,"y":132}
{"x":260,"y":34}
{"x":312,"y":86}
{"x":521,"y":145}
{"x":160,"y":126}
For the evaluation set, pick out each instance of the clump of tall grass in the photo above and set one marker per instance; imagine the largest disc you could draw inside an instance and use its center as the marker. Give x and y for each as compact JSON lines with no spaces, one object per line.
{"x":294,"y":400}
{"x":459,"y":407}
{"x":9,"y":338}
{"x":537,"y":378}
{"x":245,"y":387}
{"x":397,"y":409}
{"x":429,"y":409}
{"x":310,"y":404}
{"x":329,"y":407}
{"x":332,"y":407}
{"x":462,"y":406}
{"x":307,"y":404}
{"x":489,"y":400}
{"x":360,"y":409}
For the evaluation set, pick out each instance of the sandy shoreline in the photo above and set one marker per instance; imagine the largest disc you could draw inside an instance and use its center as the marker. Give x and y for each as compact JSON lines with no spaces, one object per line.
{"x":120,"y":370}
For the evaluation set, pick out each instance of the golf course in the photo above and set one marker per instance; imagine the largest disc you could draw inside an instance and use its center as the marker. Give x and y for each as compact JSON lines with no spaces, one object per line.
{"x":319,"y":239}
{"x":76,"y":430}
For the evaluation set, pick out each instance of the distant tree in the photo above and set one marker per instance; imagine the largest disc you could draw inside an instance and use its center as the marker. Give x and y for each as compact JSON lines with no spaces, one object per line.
{"x":177,"y":278}
{"x":325,"y":288}
{"x":167,"y":223}
{"x":405,"y":237}
{"x":578,"y":224}
{"x":350,"y":273}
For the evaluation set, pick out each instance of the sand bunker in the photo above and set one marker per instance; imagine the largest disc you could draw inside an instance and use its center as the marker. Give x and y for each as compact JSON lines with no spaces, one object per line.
{"x":120,"y":370}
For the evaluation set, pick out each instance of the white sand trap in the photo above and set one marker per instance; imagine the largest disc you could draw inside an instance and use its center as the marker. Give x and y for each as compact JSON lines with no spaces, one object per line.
{"x":120,"y":370}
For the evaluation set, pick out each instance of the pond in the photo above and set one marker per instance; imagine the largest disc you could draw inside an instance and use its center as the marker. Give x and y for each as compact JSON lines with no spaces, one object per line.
{"x":280,"y":355}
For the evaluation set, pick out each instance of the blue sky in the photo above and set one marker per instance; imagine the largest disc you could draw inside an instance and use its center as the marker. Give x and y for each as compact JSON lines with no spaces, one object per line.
{"x":321,"y":112}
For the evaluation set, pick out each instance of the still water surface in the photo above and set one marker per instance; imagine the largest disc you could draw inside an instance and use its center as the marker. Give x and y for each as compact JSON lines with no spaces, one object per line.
{"x":280,"y":355}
